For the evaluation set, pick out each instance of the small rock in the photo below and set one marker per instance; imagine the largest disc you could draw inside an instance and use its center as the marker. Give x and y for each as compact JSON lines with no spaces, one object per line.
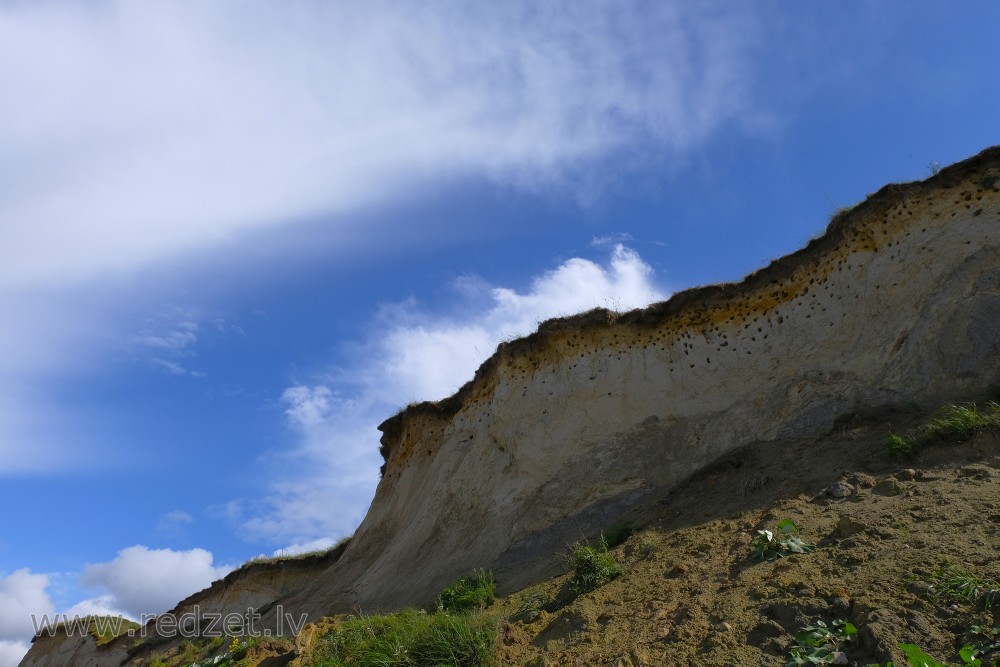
{"x":840,"y":605}
{"x":839,"y":490}
{"x":889,"y":487}
{"x":907,"y":474}
{"x":725,"y":627}
{"x":919,"y":588}
{"x":839,"y":658}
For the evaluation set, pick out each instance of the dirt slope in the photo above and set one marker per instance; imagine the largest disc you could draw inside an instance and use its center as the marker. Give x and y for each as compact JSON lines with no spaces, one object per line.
{"x":690,"y":596}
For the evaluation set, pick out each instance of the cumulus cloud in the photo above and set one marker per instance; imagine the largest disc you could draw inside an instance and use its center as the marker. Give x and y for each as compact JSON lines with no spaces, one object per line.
{"x":141,"y":580}
{"x":22,"y":594}
{"x":417,"y":355}
{"x":11,"y":652}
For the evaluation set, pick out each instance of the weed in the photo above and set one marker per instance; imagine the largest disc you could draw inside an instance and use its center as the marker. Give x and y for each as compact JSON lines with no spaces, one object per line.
{"x":766,"y":546}
{"x":531,"y":607}
{"x":592,"y":568}
{"x":900,"y":446}
{"x":918,"y":658}
{"x":647,"y":547}
{"x":953,"y":583}
{"x":410,"y":638}
{"x":469,"y":593}
{"x":819,"y":644}
{"x":957,"y":423}
{"x":990,"y":642}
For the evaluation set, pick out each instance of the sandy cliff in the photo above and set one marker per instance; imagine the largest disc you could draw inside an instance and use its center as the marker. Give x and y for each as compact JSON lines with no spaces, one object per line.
{"x":595,"y":417}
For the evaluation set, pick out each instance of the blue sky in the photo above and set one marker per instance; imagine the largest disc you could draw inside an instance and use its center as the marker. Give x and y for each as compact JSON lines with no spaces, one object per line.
{"x":234,"y":237}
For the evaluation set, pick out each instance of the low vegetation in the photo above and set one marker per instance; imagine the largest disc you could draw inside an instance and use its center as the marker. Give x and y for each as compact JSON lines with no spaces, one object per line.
{"x":410,"y":638}
{"x":592,"y":566}
{"x":957,"y":423}
{"x":473,"y":593}
{"x":819,"y":644}
{"x":770,"y":546}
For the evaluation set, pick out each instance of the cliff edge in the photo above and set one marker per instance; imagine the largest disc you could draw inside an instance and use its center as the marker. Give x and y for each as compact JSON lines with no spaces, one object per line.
{"x":595,"y":418}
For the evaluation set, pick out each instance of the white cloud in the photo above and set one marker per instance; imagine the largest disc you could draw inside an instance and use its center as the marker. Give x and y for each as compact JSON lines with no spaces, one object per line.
{"x":22,"y":594}
{"x":102,"y":605}
{"x":416,"y":356}
{"x":11,"y":652}
{"x":141,"y":580}
{"x":145,"y":133}
{"x":145,"y":129}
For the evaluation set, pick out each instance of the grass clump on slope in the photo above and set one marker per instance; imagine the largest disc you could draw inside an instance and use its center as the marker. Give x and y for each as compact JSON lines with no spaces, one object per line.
{"x":458,"y":634}
{"x":410,"y":638}
{"x":957,"y":423}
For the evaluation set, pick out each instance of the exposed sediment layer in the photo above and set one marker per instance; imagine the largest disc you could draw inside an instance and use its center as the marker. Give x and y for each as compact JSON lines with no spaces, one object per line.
{"x":594,"y":417}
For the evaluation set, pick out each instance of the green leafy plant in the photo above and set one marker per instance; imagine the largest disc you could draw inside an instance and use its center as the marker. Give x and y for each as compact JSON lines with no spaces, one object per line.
{"x":469,"y":593}
{"x":917,"y":657}
{"x":818,"y":644}
{"x":592,"y":568}
{"x":409,"y":638}
{"x":769,"y":546}
{"x":990,"y":642}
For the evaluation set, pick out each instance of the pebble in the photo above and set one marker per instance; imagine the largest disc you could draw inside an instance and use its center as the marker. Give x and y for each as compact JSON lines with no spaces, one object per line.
{"x":839,"y":490}
{"x":725,"y":627}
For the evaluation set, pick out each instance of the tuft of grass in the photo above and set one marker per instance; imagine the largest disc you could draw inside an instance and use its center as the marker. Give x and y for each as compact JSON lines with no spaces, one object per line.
{"x":410,"y":638}
{"x":592,"y":567}
{"x":957,"y":423}
{"x":953,"y":583}
{"x":469,"y":593}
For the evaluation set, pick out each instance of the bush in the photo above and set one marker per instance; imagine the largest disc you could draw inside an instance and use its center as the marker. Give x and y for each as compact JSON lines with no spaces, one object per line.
{"x":592,"y":568}
{"x":469,"y":593}
{"x":410,"y":638}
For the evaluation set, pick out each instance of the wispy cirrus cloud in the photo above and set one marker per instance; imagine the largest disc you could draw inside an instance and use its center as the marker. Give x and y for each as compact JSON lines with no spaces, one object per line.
{"x":141,"y":133}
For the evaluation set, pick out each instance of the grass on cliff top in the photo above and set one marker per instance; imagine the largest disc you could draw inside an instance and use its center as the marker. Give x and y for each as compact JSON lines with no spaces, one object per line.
{"x":336,"y":550}
{"x":105,"y":628}
{"x":957,"y":423}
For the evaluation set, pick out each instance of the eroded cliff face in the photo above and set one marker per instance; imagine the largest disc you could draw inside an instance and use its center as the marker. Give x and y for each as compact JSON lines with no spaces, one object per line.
{"x":595,"y":417}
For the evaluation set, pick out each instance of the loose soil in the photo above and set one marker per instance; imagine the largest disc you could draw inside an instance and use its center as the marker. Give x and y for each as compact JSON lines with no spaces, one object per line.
{"x":690,"y":596}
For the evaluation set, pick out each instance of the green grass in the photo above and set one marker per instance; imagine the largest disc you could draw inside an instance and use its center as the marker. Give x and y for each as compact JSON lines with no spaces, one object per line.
{"x":410,"y":638}
{"x":953,"y":583}
{"x":336,"y":550}
{"x":957,"y":423}
{"x":469,"y":593}
{"x":592,"y":567}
